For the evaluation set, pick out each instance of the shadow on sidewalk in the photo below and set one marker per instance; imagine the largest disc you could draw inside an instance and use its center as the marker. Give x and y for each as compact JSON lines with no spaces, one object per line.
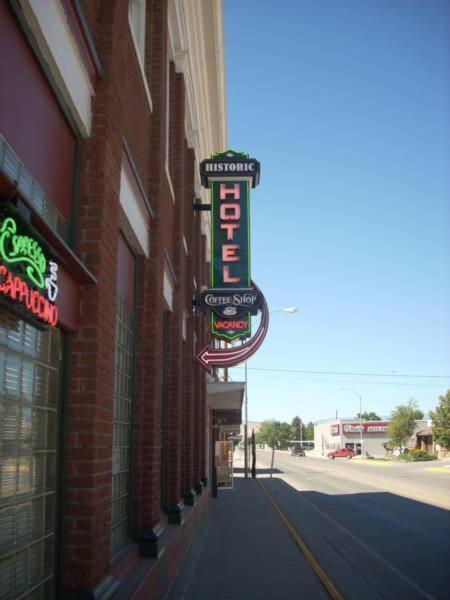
{"x":399,"y":545}
{"x":371,"y":545}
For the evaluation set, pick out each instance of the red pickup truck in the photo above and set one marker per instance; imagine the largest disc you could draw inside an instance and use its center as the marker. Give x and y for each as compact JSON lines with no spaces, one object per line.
{"x":342,"y":453}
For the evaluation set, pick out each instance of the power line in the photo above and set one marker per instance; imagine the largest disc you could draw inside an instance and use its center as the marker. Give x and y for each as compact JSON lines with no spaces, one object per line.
{"x":349,"y":373}
{"x":358,"y":381}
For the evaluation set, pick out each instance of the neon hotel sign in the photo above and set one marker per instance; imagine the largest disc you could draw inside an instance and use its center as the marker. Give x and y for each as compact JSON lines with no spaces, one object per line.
{"x":28,"y":278}
{"x":232,"y":298}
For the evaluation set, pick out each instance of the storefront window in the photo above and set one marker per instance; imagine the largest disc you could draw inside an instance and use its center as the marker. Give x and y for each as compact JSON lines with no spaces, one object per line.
{"x":29,"y":392}
{"x":123,"y":398}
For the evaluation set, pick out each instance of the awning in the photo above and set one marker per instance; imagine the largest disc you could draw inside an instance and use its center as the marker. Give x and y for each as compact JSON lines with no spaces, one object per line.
{"x":225,"y":399}
{"x":424,"y":432}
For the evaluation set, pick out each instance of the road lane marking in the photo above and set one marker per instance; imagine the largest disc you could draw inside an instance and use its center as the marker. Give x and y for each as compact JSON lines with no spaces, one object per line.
{"x":368,"y":461}
{"x":438,"y":469}
{"x":368,"y":549}
{"x":310,"y":559}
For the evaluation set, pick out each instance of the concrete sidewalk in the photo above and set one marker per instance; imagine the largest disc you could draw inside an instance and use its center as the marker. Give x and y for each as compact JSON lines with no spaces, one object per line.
{"x":244,"y":552}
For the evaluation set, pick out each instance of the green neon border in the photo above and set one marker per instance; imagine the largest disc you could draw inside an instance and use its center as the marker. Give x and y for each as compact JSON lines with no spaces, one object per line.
{"x":248,"y":331}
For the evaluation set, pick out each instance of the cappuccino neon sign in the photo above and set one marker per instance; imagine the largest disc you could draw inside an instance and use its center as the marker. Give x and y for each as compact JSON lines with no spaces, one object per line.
{"x":22,"y":255}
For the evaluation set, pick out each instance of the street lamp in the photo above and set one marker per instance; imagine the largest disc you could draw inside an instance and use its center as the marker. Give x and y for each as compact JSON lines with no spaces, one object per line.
{"x":360,"y":417}
{"x":288,"y":310}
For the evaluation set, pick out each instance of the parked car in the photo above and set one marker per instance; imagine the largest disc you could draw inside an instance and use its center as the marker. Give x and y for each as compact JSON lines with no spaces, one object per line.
{"x":297,"y":451}
{"x":341,"y":453}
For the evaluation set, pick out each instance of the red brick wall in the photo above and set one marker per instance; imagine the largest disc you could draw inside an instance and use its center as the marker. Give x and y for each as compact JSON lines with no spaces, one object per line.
{"x":121,"y":111}
{"x":89,"y":441}
{"x":189,"y":366}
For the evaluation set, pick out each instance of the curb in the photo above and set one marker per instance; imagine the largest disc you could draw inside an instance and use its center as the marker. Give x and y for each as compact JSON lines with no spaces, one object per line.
{"x":310,"y":559}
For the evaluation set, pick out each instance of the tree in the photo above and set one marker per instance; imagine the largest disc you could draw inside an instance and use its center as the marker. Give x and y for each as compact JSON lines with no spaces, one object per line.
{"x":308,"y":431}
{"x":402,"y":423}
{"x":296,"y":428}
{"x":274,"y":432}
{"x":441,"y":421}
{"x":369,"y":416}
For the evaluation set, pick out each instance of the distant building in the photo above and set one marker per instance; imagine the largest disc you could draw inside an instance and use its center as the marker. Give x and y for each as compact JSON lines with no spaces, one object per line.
{"x":424,"y":440}
{"x":346,"y":433}
{"x":252,"y":425}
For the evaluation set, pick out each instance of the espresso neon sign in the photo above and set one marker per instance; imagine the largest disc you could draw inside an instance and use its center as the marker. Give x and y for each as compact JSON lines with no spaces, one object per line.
{"x":24,"y":259}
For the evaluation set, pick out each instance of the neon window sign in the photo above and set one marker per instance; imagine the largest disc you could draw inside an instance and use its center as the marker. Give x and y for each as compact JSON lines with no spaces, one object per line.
{"x":27,"y":277}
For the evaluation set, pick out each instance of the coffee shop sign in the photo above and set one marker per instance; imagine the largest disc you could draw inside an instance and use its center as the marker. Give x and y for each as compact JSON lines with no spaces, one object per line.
{"x":28,"y":278}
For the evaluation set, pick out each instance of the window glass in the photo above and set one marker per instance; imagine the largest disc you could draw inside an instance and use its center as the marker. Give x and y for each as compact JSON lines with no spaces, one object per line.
{"x":136,"y":15}
{"x":29,"y":393}
{"x":123,"y":397}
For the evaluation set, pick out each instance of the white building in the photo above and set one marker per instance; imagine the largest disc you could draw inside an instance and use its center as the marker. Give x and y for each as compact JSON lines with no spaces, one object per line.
{"x":346,"y":433}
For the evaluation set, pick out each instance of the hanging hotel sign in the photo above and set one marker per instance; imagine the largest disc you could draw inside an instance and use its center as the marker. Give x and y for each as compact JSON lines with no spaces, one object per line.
{"x":233,"y":297}
{"x":230,"y":175}
{"x":28,"y":276}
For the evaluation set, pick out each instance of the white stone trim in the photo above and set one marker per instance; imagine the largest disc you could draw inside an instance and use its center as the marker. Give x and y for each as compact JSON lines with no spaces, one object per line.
{"x":141,"y":61}
{"x":197,"y":47}
{"x":166,"y":165}
{"x":168,"y":289}
{"x":184,"y":325}
{"x":135,"y":217}
{"x":48,"y":23}
{"x":169,"y":181}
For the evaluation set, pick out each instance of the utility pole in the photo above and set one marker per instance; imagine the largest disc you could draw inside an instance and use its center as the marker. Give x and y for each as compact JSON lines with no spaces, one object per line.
{"x":246,"y":426}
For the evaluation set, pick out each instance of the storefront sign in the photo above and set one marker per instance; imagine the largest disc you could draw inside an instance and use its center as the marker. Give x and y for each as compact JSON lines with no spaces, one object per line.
{"x":334,"y":429}
{"x":379,"y":427}
{"x":28,"y":278}
{"x":210,"y":357}
{"x":227,"y":303}
{"x":229,"y":164}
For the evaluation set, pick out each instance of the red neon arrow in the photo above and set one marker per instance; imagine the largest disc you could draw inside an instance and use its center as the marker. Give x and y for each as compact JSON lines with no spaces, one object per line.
{"x":230,"y":357}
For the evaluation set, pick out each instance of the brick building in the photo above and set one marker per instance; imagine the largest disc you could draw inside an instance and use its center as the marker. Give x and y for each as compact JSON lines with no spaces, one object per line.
{"x":106,"y":109}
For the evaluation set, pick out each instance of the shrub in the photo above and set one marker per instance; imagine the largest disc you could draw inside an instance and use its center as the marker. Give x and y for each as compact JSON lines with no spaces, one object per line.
{"x":416,"y":455}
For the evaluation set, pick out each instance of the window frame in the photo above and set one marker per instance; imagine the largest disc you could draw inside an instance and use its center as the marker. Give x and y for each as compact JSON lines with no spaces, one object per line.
{"x":139,"y":45}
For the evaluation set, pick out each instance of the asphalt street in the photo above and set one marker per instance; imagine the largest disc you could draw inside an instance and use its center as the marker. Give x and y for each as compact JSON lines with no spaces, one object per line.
{"x":379,"y":530}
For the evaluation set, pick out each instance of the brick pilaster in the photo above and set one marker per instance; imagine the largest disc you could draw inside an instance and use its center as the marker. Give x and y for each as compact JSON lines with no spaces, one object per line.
{"x":91,"y":377}
{"x":188,"y":347}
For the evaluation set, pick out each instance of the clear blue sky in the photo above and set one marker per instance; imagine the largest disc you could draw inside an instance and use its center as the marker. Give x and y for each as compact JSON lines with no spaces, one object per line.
{"x":346,"y":105}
